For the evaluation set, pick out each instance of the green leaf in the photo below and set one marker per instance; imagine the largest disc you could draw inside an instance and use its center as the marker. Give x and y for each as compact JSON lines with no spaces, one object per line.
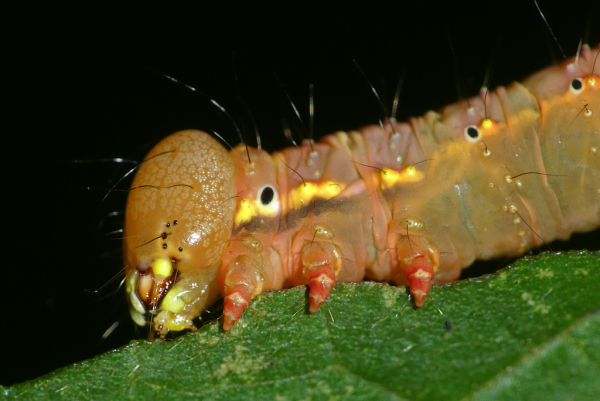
{"x":527,"y":332}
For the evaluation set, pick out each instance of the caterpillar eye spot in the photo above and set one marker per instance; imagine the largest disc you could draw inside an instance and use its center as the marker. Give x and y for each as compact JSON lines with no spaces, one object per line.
{"x":576,"y":86}
{"x":164,"y":246}
{"x":472,"y":133}
{"x":267,"y":202}
{"x":180,"y":249}
{"x":267,"y":195}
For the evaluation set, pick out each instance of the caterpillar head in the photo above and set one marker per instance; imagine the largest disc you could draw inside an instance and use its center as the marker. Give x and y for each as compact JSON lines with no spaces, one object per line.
{"x":178,"y":220}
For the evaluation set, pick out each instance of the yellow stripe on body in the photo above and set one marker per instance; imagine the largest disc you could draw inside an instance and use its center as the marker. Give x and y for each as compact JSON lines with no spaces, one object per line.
{"x":389,"y":177}
{"x":307,"y":191}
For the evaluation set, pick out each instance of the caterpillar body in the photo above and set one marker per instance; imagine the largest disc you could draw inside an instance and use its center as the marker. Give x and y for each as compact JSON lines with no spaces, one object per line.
{"x":411,"y":203}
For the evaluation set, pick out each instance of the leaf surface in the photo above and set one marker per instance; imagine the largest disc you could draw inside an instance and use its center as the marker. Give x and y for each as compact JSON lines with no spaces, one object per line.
{"x":527,"y":332}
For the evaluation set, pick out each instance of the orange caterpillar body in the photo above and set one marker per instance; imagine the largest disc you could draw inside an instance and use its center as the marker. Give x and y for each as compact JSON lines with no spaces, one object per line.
{"x":412,"y":203}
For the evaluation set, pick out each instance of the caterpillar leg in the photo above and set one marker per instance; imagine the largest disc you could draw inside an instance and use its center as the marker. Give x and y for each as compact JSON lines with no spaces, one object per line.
{"x":243,"y":281}
{"x":321,"y":263}
{"x":419,"y":261}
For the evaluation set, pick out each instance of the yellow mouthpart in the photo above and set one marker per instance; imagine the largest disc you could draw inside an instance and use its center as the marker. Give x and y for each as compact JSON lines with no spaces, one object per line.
{"x":162,"y":267}
{"x":172,"y":301}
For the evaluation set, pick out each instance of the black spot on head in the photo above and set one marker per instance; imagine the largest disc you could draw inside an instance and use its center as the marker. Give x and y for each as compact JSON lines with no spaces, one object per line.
{"x":164,"y":235}
{"x":266,"y":196}
{"x":164,"y":246}
{"x":473,"y":132}
{"x":576,"y":84}
{"x":175,"y":222}
{"x":180,"y":249}
{"x":168,"y":224}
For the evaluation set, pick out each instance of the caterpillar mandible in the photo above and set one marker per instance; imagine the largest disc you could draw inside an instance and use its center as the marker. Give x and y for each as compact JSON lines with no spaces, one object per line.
{"x":412,"y":203}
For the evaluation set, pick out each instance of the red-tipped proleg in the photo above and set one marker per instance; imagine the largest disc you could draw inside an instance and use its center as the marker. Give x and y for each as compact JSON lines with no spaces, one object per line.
{"x":321,"y":261}
{"x":235,"y":303}
{"x":418,"y":260}
{"x":243,"y":280}
{"x":320,"y":282}
{"x":419,"y":272}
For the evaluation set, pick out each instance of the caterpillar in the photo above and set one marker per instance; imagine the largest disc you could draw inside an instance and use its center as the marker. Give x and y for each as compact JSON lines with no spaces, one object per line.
{"x":411,"y":203}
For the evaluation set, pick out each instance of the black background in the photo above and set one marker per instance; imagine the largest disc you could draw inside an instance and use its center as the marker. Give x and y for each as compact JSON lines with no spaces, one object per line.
{"x":80,"y":89}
